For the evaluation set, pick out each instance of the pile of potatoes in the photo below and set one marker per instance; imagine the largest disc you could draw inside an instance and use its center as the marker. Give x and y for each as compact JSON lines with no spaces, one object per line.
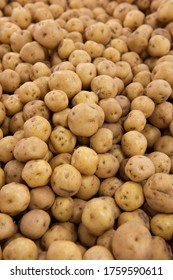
{"x":86,"y":130}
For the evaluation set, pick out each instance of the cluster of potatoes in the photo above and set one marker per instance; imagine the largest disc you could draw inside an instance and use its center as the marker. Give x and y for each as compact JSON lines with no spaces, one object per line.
{"x":86,"y":129}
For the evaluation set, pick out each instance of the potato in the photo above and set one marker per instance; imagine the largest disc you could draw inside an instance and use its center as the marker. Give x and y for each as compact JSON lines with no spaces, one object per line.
{"x":42,"y":83}
{"x":65,"y":180}
{"x":35,"y":107}
{"x":109,"y":186}
{"x":86,"y":72}
{"x":83,"y":120}
{"x":104,"y":86}
{"x":111,"y":108}
{"x":47,"y":33}
{"x":24,"y":71}
{"x":144,"y":104}
{"x":86,"y":238}
{"x":19,"y":38}
{"x":159,"y":118}
{"x":41,"y":198}
{"x":77,"y":210}
{"x":158,"y":90}
{"x":164,"y":144}
{"x":28,"y":91}
{"x":12,"y":76}
{"x":117,"y":152}
{"x":160,"y":249}
{"x":158,"y":46}
{"x":65,"y":48}
{"x":85,"y":160}
{"x":63,"y":250}
{"x":108,"y":165}
{"x":134,"y":90}
{"x":124,"y":103}
{"x":61,"y":118}
{"x":137,"y":215}
{"x":98,"y":32}
{"x":62,"y":140}
{"x":10,"y":60}
{"x":30,"y":148}
{"x":106,"y":67}
{"x":135,"y":121}
{"x":106,"y":239}
{"x":133,"y":143}
{"x":139,"y":168}
{"x":62,"y":208}
{"x":2,"y":177}
{"x":36,"y":173}
{"x":79,"y":56}
{"x":158,"y":191}
{"x":129,"y":196}
{"x":151,"y":133}
{"x":20,"y":249}
{"x":38,"y":70}
{"x":34,"y":223}
{"x":124,"y":72}
{"x":7,"y":145}
{"x":161,"y":225}
{"x":94,"y":217}
{"x":13,"y":105}
{"x":94,"y":49}
{"x":7,"y":227}
{"x":98,"y":252}
{"x":116,"y":129}
{"x":102,"y":140}
{"x":56,"y":100}
{"x":55,"y":232}
{"x":7,"y":30}
{"x":138,"y":244}
{"x":163,"y":70}
{"x":89,"y":187}
{"x":37,"y":126}
{"x":67,"y":81}
{"x":60,"y":159}
{"x":14,"y":197}
{"x":161,"y":162}
{"x":32,"y":52}
{"x":12,"y":171}
{"x":163,"y":12}
{"x":85,"y":97}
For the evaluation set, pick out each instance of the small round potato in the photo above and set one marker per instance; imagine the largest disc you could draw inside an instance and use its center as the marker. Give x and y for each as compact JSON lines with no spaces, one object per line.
{"x":62,"y":140}
{"x":77,"y":210}
{"x":37,"y":126}
{"x":32,"y":52}
{"x":63,"y":250}
{"x":86,"y":72}
{"x":15,"y":198}
{"x":98,"y":252}
{"x":109,"y":186}
{"x":7,"y":226}
{"x":159,"y":118}
{"x":151,"y":133}
{"x":35,"y":107}
{"x":132,"y":241}
{"x":13,"y":171}
{"x":164,"y":144}
{"x":160,"y":249}
{"x":85,"y":160}
{"x":98,"y":32}
{"x":28,"y":91}
{"x":7,"y":146}
{"x":61,"y":118}
{"x":161,"y":162}
{"x":12,"y":76}
{"x":144,"y":104}
{"x":21,"y":248}
{"x":162,"y":225}
{"x":129,"y":196}
{"x":66,"y":180}
{"x":56,"y":100}
{"x":108,"y":165}
{"x":137,"y":215}
{"x":158,"y":191}
{"x":83,"y":119}
{"x":41,"y":198}
{"x":158,"y":46}
{"x":104,"y":86}
{"x":89,"y":187}
{"x":30,"y":148}
{"x":67,"y":81}
{"x":86,"y":238}
{"x":112,"y":109}
{"x":135,"y":121}
{"x":102,"y":140}
{"x":139,"y":168}
{"x":34,"y":223}
{"x":62,"y":208}
{"x":36,"y":173}
{"x":158,"y":90}
{"x":56,"y":232}
{"x":133,"y":143}
{"x":98,"y":215}
{"x":106,"y":239}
